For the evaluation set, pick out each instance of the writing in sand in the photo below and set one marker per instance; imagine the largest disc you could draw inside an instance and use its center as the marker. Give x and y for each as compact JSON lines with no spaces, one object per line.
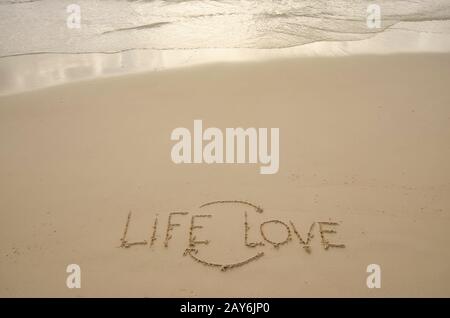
{"x":288,"y":228}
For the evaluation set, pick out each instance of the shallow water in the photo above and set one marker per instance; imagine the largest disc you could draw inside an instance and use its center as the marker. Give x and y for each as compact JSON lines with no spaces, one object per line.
{"x":38,"y":48}
{"x":36,"y":26}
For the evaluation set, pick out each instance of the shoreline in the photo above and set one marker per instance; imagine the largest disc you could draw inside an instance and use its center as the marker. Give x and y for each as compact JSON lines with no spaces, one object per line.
{"x":36,"y":71}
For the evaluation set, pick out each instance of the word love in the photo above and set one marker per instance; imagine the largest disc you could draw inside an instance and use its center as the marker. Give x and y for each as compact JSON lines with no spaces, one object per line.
{"x":214,"y":150}
{"x":250,"y":238}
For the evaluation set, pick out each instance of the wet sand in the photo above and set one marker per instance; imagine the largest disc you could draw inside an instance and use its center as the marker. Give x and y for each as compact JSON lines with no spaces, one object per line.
{"x":364,"y":150}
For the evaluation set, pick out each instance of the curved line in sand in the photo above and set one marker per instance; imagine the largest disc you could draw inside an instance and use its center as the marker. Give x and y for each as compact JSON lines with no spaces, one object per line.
{"x":257,"y":208}
{"x":223,"y":267}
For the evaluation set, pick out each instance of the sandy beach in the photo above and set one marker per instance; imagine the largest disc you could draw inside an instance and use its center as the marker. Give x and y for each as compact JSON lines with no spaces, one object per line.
{"x":364,"y":150}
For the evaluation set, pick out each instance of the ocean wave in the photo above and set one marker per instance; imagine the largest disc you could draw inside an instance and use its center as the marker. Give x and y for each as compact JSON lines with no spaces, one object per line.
{"x":37,"y":26}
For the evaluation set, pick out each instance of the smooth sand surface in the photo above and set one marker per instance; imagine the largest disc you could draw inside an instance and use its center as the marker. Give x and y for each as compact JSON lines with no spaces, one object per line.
{"x":364,"y":141}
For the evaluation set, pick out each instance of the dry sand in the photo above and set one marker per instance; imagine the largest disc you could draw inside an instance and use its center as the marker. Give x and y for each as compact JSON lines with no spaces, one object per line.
{"x":364,"y":142}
